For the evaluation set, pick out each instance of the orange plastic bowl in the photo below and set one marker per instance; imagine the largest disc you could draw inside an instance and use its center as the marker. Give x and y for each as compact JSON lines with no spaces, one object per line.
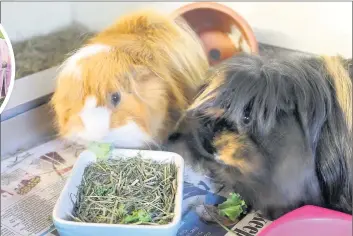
{"x":213,"y":22}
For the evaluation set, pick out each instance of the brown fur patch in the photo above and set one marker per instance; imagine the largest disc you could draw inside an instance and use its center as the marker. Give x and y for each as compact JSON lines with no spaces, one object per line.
{"x":230,"y":147}
{"x":147,"y":96}
{"x":342,"y":84}
{"x":156,"y":65}
{"x":171,"y":50}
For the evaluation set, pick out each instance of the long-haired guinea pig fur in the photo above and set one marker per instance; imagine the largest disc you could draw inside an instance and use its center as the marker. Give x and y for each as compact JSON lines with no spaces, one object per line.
{"x":131,"y":84}
{"x":278,"y":131}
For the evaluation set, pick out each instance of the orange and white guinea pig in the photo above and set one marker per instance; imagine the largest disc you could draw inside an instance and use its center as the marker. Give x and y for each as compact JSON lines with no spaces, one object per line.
{"x":131,"y":83}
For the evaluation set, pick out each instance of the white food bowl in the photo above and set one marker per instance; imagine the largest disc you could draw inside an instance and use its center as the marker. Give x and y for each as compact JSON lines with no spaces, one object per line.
{"x":64,"y":205}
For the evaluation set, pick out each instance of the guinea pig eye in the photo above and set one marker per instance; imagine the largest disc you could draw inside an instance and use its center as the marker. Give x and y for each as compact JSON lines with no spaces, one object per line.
{"x":246,"y":120}
{"x":246,"y":116}
{"x":115,"y":99}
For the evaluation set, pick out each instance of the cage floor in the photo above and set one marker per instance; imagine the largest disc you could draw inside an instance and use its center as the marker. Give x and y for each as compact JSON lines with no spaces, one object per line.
{"x":45,"y":51}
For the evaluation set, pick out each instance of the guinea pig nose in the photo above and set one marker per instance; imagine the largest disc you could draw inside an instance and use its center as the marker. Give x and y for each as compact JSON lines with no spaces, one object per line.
{"x":115,"y":98}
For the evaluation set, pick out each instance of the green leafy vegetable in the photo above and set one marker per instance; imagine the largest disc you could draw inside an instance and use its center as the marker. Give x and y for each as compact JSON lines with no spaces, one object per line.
{"x":233,"y":207}
{"x":102,"y":150}
{"x":140,"y":216}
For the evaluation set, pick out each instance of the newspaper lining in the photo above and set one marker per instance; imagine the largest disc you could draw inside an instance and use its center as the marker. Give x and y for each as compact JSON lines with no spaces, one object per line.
{"x":32,"y":181}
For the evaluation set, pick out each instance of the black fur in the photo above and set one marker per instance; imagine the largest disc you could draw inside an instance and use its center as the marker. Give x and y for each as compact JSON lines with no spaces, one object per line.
{"x":294,"y":128}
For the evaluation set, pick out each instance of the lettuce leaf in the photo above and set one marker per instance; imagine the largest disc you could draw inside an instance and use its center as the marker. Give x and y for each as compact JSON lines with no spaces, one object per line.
{"x":138,"y":216}
{"x":233,"y":207}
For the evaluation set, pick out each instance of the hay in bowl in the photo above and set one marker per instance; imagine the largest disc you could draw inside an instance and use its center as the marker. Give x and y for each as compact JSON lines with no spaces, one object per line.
{"x":127,"y":191}
{"x":107,"y":194}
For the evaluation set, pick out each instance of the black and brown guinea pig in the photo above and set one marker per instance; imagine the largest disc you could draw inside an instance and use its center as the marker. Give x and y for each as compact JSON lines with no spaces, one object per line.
{"x":131,"y":83}
{"x":278,"y":131}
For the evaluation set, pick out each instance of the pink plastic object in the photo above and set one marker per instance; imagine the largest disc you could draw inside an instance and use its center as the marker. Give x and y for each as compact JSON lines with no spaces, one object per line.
{"x":310,"y":221}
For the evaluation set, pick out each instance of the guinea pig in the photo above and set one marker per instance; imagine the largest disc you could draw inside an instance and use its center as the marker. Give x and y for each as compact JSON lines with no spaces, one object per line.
{"x":131,"y":84}
{"x":279,"y":131}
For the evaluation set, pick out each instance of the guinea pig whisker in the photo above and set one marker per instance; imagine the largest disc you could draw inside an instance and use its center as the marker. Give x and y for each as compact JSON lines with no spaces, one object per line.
{"x":148,"y":145}
{"x":154,"y":143}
